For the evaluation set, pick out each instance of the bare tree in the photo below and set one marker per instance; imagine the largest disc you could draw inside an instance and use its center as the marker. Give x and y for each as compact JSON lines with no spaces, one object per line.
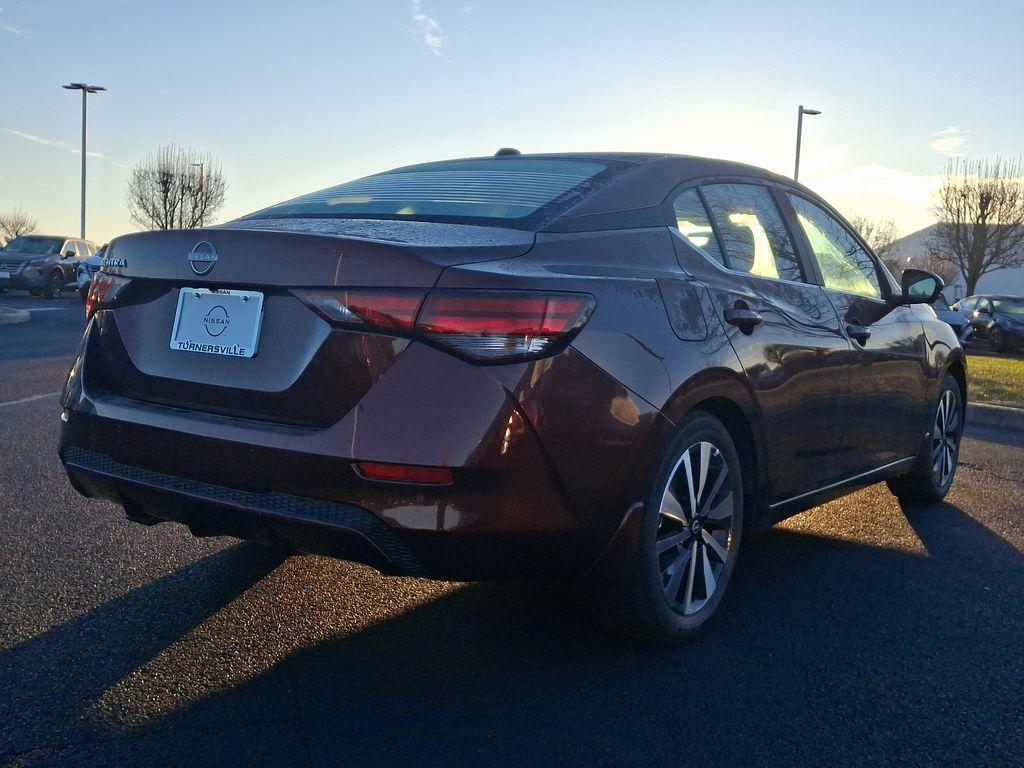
{"x":943,"y":269}
{"x":175,"y":189}
{"x":880,"y":234}
{"x":980,"y":207}
{"x":15,"y":223}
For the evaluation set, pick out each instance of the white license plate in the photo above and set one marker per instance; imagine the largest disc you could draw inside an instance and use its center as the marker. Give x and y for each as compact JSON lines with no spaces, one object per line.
{"x":4,"y":275}
{"x":217,"y":322}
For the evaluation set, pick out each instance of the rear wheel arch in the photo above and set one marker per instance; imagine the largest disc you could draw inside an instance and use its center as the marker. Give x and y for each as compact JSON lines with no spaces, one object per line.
{"x":726,"y":397}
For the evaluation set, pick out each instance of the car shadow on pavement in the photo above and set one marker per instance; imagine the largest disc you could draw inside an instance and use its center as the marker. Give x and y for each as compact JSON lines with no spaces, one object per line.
{"x":830,"y":652}
{"x":44,"y":681}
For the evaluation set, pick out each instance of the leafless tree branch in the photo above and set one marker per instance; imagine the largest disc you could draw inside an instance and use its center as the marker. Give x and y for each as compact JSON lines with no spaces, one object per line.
{"x":175,"y":189}
{"x":980,"y":207}
{"x":15,"y":223}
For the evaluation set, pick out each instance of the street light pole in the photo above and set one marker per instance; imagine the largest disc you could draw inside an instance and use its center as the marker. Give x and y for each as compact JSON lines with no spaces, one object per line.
{"x":86,"y":90}
{"x":799,"y":133}
{"x":202,"y":175}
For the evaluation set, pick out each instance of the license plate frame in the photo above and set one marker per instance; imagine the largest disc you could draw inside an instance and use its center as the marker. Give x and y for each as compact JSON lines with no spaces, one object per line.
{"x":223,"y":322}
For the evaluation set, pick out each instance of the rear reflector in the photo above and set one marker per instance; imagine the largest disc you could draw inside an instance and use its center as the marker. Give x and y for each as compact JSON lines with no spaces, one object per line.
{"x":502,"y":325}
{"x":403,"y":473}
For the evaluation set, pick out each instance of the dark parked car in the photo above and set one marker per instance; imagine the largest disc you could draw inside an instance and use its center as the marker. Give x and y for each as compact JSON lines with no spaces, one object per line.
{"x":605,"y":367}
{"x":1000,"y":319}
{"x":42,"y":264}
{"x":960,"y":325}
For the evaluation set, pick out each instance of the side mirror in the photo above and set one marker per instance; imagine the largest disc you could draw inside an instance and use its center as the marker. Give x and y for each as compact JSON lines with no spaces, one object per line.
{"x":68,"y":255}
{"x":920,"y":286}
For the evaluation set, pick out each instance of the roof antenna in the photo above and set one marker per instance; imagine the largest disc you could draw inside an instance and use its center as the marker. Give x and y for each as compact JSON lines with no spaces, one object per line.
{"x":505,"y":151}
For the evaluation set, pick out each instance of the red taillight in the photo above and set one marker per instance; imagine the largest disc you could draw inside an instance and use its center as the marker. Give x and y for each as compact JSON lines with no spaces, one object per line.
{"x":485,"y":326}
{"x":383,"y":310}
{"x":502,"y":325}
{"x":404,"y":473}
{"x":103,"y":291}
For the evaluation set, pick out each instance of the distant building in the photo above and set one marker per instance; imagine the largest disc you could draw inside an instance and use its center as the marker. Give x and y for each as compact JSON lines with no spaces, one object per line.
{"x":913,"y":249}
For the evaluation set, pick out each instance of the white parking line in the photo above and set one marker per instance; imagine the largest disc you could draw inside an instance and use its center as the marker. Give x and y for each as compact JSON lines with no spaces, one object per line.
{"x":29,"y":399}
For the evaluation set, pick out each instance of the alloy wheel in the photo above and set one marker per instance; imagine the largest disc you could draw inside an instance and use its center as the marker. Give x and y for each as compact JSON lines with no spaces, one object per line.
{"x":695,"y":528}
{"x":946,"y":437}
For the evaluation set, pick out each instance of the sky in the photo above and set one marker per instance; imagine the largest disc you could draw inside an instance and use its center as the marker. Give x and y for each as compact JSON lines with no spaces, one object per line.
{"x":293,"y":97}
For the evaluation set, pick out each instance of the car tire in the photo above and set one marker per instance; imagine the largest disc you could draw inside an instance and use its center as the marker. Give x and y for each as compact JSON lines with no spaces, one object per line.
{"x":935,"y":469}
{"x":55,"y":287}
{"x":672,"y":575}
{"x":998,"y":339}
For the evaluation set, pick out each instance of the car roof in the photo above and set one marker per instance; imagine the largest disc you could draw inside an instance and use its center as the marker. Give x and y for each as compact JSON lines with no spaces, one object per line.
{"x":634,"y":195}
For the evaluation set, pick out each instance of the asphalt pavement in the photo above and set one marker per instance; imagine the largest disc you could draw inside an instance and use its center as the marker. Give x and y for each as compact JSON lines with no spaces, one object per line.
{"x":858,"y":633}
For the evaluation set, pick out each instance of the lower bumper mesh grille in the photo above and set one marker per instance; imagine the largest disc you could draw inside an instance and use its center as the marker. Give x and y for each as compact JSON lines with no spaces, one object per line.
{"x":282,"y":505}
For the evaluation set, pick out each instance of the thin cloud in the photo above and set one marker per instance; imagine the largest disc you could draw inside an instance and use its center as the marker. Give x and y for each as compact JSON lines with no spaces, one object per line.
{"x":428,"y":31}
{"x":950,"y":142}
{"x":11,"y":30}
{"x":54,"y":143}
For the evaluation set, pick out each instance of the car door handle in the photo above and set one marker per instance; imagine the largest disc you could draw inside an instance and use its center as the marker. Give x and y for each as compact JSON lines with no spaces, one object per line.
{"x":744,"y":319}
{"x":859,"y":332}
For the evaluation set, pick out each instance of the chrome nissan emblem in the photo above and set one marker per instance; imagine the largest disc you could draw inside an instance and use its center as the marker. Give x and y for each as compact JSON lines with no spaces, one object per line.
{"x":203,"y":257}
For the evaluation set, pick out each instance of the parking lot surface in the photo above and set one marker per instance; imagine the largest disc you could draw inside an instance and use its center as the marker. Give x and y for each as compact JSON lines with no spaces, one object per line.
{"x":858,"y":633}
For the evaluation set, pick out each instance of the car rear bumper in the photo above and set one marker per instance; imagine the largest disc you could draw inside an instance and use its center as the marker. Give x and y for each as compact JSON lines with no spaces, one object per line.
{"x":531,"y":495}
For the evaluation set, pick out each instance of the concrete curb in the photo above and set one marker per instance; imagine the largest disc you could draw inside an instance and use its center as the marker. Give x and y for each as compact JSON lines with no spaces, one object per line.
{"x":13,"y":316}
{"x":995,"y":416}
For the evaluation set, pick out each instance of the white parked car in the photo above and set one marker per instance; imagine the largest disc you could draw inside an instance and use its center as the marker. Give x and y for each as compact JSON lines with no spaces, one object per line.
{"x":87,"y":268}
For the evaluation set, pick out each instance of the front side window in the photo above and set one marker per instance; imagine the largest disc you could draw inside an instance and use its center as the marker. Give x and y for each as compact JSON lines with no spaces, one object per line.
{"x":500,"y":189}
{"x":693,"y":223}
{"x":845,"y":265}
{"x":752,"y":230}
{"x":1010,"y":306}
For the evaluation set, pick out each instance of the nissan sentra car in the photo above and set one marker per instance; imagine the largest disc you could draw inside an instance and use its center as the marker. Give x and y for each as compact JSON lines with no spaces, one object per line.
{"x":611,"y":368}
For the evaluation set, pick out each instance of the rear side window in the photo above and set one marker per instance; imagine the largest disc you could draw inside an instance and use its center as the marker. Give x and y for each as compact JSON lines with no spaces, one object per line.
{"x":845,"y":265}
{"x":753,"y":232}
{"x":694,"y":224}
{"x":489,"y":188}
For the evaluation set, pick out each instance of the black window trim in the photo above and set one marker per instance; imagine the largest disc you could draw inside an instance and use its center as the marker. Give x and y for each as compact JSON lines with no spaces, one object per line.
{"x":802,"y":256}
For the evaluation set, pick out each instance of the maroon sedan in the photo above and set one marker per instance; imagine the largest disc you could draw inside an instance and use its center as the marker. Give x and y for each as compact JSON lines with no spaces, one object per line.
{"x":605,"y":367}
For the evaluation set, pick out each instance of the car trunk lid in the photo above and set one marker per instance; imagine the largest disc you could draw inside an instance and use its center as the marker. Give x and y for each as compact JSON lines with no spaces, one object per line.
{"x":305,"y":372}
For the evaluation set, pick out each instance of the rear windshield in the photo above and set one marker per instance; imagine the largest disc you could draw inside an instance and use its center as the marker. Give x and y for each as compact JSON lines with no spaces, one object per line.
{"x":495,"y":189}
{"x":35,"y":244}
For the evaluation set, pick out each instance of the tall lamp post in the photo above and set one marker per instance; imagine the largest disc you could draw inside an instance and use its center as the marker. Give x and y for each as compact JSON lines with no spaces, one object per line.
{"x":799,"y":131}
{"x":86,"y":90}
